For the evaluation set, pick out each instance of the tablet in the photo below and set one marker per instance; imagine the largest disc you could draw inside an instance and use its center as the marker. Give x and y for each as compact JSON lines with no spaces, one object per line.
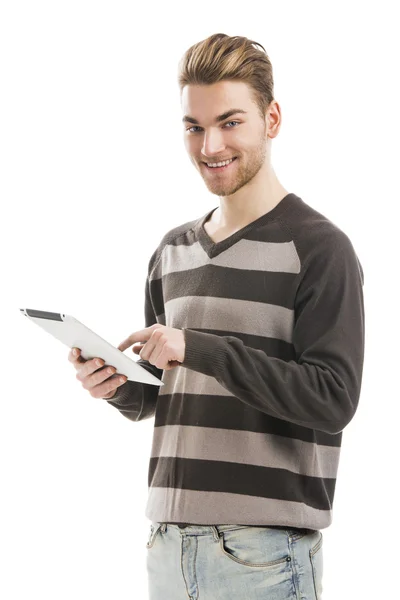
{"x":75,"y":334}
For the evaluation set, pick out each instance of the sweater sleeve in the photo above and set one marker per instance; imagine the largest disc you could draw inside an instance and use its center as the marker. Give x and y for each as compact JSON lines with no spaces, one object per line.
{"x":320,"y":388}
{"x":136,"y":400}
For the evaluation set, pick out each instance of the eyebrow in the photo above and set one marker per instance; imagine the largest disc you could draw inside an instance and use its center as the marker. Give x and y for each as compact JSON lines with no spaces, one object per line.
{"x":225,"y":115}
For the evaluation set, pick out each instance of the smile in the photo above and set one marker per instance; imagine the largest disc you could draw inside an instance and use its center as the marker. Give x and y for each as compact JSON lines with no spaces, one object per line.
{"x":219,"y":169}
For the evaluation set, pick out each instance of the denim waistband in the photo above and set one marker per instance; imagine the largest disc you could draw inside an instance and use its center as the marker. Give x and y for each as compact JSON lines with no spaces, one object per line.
{"x":183,"y":525}
{"x":206,"y":529}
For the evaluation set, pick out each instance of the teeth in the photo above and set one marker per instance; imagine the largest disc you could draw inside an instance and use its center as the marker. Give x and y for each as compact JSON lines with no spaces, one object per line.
{"x":220,"y":164}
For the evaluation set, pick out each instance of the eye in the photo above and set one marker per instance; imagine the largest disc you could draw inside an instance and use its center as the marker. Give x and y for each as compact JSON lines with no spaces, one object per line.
{"x":237,"y":122}
{"x":232,"y":122}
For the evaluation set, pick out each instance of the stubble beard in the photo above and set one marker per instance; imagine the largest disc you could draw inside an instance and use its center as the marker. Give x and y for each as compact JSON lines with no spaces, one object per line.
{"x":243,"y":175}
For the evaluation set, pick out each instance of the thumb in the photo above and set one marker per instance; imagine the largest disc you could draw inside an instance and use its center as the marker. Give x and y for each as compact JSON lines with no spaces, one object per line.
{"x":137,"y":348}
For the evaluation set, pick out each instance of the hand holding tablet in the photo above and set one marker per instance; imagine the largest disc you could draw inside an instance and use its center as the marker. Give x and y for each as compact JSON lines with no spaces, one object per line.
{"x":75,"y":334}
{"x":101,"y":383}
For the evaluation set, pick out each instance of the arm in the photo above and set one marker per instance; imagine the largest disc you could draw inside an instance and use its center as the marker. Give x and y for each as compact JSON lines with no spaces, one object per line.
{"x":321,"y":387}
{"x":136,"y":400}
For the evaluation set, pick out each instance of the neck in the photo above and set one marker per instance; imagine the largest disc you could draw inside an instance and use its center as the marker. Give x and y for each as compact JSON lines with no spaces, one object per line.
{"x":257,"y":197}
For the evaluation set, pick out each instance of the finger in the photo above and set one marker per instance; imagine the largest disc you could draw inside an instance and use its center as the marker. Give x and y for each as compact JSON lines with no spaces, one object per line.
{"x":100,"y":376}
{"x":138,"y":336}
{"x":154,"y":346}
{"x":90,"y":367}
{"x":157,"y":354}
{"x":174,"y":363}
{"x":147,"y":349}
{"x":71,"y":356}
{"x":124,"y":345}
{"x":138,"y":348}
{"x":107,"y":386}
{"x":76,"y":360}
{"x":97,"y":377}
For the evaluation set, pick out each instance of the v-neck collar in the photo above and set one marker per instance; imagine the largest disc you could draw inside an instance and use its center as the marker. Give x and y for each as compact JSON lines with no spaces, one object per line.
{"x":214,"y":248}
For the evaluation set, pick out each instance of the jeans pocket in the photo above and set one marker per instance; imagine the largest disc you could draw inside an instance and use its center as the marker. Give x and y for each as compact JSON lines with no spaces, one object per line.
{"x":317,"y":564}
{"x":255,"y":547}
{"x":152,"y":535}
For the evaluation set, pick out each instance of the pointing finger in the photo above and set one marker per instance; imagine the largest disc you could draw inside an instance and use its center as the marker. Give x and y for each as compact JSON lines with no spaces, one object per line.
{"x":137,"y":336}
{"x":141,"y":336}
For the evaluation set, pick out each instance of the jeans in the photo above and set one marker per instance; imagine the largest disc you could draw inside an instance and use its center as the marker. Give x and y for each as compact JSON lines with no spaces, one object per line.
{"x":233,"y":562}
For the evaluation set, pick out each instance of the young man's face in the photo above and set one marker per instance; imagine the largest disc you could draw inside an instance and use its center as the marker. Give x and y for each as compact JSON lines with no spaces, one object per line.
{"x":239,"y":135}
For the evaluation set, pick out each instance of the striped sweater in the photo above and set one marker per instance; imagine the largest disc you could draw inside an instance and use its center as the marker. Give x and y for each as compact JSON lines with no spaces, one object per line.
{"x":248,"y":428}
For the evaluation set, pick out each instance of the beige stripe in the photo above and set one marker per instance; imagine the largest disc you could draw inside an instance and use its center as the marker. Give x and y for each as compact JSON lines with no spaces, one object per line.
{"x":229,"y":314}
{"x":181,"y":380}
{"x":244,"y":254}
{"x":246,"y":447}
{"x":168,"y":504}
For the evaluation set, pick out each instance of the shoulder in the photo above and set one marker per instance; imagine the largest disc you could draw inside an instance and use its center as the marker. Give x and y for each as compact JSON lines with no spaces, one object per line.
{"x":171,"y":237}
{"x":318,"y":239}
{"x":312,"y":231}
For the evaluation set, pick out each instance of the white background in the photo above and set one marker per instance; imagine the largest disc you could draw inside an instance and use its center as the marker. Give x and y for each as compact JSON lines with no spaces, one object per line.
{"x":93,"y":173}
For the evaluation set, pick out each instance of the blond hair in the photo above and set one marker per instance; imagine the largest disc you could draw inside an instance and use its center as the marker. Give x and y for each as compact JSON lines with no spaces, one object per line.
{"x":221,"y":57}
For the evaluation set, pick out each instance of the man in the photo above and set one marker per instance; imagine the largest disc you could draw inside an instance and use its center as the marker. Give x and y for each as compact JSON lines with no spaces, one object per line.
{"x":254,"y":320}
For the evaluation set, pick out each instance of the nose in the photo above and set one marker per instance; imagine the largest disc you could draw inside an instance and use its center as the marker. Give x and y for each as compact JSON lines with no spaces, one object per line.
{"x":213,"y":143}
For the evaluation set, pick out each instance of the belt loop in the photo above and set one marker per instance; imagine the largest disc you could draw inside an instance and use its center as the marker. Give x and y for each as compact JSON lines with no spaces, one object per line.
{"x":164,"y":527}
{"x":215,"y":533}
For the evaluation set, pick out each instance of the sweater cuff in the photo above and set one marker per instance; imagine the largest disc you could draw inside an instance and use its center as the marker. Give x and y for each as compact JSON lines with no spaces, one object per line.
{"x":204,"y":352}
{"x":121,"y":396}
